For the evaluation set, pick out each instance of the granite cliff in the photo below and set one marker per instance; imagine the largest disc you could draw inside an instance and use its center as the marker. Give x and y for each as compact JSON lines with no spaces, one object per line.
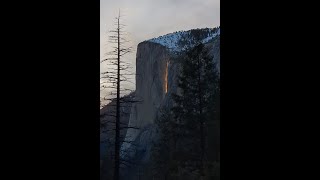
{"x":157,"y":69}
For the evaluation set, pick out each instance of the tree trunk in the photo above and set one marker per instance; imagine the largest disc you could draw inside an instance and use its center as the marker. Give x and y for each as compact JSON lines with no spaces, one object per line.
{"x":117,"y":139}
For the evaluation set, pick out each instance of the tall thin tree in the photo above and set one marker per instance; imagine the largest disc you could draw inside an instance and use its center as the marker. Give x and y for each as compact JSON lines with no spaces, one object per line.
{"x":117,"y":72}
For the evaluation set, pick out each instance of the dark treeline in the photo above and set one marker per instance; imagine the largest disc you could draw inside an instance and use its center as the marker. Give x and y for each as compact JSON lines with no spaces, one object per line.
{"x":189,"y":146}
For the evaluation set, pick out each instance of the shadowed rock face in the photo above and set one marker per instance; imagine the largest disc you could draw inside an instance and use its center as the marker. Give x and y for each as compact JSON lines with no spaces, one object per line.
{"x":154,"y":75}
{"x":151,"y":65}
{"x":157,"y":68}
{"x":107,"y":124}
{"x":157,"y":72}
{"x":107,"y":134}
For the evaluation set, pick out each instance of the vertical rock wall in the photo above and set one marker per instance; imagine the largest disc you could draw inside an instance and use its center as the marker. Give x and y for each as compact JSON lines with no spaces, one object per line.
{"x":151,"y":67}
{"x":152,"y":79}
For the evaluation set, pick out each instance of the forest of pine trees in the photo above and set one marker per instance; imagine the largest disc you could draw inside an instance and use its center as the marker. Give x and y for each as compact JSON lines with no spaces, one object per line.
{"x":189,"y":146}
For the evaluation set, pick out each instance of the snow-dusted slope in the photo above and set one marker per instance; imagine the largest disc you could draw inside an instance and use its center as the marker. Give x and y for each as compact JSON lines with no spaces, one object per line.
{"x":182,"y":40}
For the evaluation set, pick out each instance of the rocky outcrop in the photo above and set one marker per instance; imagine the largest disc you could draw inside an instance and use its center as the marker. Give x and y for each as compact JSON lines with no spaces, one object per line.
{"x":151,"y":63}
{"x":107,"y":124}
{"x":157,"y":69}
{"x":156,"y":74}
{"x":107,"y":133}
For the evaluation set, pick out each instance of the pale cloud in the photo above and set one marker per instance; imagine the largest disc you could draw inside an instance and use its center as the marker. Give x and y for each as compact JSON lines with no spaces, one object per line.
{"x":146,"y":19}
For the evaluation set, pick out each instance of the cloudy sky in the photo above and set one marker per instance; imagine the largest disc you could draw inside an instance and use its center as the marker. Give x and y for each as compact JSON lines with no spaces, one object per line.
{"x":146,"y":19}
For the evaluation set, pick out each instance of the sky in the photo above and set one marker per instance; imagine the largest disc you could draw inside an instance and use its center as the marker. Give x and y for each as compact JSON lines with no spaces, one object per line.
{"x":146,"y":19}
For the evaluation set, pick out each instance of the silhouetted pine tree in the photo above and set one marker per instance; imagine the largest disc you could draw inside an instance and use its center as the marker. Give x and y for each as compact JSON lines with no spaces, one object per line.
{"x":194,"y":107}
{"x":117,"y":72}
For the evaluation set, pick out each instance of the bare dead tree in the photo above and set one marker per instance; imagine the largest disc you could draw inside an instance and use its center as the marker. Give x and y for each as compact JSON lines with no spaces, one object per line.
{"x":117,"y":72}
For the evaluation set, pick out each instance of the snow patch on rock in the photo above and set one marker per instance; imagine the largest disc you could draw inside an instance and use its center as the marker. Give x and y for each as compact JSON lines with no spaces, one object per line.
{"x":179,"y":41}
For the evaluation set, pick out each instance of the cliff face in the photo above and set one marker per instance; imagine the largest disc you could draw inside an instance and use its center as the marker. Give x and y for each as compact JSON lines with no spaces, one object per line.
{"x":107,"y":124}
{"x":107,"y":133}
{"x":152,"y":69}
{"x":157,"y":69}
{"x":151,"y":80}
{"x":155,"y":81}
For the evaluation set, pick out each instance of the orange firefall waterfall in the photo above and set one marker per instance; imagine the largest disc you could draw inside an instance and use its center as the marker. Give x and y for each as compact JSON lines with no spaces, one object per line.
{"x":166,"y":78}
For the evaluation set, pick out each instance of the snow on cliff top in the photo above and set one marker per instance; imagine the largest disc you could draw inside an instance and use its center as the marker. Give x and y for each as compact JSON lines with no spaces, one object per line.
{"x":181,"y":40}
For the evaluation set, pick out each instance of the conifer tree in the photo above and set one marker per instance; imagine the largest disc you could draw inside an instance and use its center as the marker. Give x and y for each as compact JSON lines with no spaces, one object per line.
{"x":194,"y":107}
